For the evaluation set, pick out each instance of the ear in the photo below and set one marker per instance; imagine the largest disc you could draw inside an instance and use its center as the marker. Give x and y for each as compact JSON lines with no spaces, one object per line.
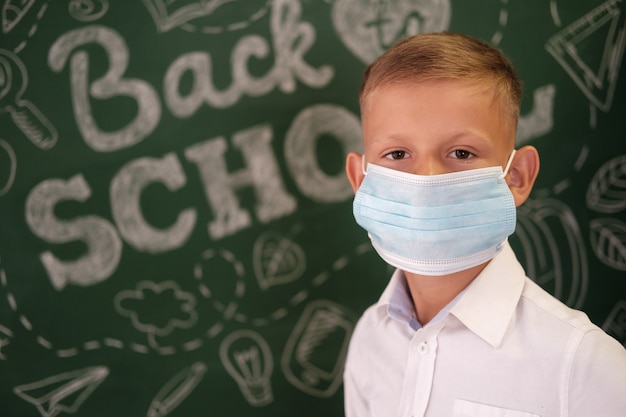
{"x":354,"y":170}
{"x":522,"y":173}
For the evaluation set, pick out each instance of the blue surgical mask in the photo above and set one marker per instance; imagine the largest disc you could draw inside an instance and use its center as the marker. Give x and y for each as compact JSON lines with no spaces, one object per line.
{"x":436,"y":224}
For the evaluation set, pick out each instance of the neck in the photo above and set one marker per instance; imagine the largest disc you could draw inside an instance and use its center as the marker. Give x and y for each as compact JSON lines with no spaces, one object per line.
{"x":430,"y":294}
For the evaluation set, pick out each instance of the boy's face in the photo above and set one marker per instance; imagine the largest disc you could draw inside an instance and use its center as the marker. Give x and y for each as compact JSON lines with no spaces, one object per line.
{"x":436,"y":127}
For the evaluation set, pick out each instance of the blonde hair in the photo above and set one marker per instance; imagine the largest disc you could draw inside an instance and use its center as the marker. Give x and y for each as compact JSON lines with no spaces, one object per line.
{"x":445,"y":56}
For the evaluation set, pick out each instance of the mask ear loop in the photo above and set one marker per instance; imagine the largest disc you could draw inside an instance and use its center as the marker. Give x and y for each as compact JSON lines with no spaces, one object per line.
{"x":363,"y":162}
{"x":508,"y":164}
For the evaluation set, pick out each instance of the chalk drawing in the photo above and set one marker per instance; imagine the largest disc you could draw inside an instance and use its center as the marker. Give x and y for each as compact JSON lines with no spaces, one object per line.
{"x":13,"y":12}
{"x":157,"y":308}
{"x":368,"y":28}
{"x":104,"y":247}
{"x":26,"y":116}
{"x":324,"y":326}
{"x":606,"y":192}
{"x":608,"y":241}
{"x":88,"y":10}
{"x":539,"y":120}
{"x":553,"y":250}
{"x":300,"y":150}
{"x":64,"y":392}
{"x":7,"y":177}
{"x":111,"y":84}
{"x":176,"y":390}
{"x":247,"y":358}
{"x":615,"y":323}
{"x":19,"y":14}
{"x":277,"y":260}
{"x":572,"y":48}
{"x":206,"y":16}
{"x":5,"y":338}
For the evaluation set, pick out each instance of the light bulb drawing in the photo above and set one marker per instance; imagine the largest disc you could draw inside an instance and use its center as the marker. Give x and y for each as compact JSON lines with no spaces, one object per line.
{"x":247,"y":358}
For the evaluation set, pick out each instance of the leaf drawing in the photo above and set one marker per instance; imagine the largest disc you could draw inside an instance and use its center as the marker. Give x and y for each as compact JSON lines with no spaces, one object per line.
{"x":608,"y":241}
{"x":277,"y":260}
{"x":607,"y":189}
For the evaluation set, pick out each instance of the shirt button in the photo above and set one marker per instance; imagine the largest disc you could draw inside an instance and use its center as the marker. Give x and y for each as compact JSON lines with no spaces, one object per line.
{"x":423,"y":348}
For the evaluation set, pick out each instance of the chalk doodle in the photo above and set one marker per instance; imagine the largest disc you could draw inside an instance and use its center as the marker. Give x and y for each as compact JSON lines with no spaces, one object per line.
{"x":277,"y":260}
{"x":176,"y":390}
{"x":247,"y":357}
{"x":323,"y":327}
{"x":607,"y":189}
{"x":369,"y":28}
{"x":615,"y":323}
{"x":573,"y":49}
{"x":175,"y":222}
{"x":25,"y":114}
{"x":5,"y":339}
{"x":64,"y":392}
{"x":9,"y":164}
{"x":608,"y":241}
{"x":552,"y":249}
{"x":88,"y":10}
{"x":23,"y":14}
{"x":206,"y":16}
{"x":157,"y":308}
{"x":540,"y":120}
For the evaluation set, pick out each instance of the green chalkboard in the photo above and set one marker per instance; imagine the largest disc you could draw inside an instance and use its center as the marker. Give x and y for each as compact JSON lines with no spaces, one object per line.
{"x":176,"y":234}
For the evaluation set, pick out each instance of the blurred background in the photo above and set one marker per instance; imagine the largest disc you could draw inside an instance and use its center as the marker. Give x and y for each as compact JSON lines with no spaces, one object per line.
{"x":176,"y":230}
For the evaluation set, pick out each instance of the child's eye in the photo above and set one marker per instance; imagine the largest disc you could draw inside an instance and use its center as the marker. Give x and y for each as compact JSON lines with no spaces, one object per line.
{"x":461,"y":154}
{"x":396,"y":155}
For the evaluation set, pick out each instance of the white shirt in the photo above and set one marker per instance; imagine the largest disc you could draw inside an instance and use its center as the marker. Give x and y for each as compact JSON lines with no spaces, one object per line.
{"x":502,"y":348}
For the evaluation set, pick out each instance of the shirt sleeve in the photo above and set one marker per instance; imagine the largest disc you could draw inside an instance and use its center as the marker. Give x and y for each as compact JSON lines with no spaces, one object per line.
{"x":355,"y":404}
{"x":597,"y":380}
{"x":354,"y":375}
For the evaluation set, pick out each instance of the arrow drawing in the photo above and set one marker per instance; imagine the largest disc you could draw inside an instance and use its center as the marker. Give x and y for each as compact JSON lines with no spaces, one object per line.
{"x":62,"y":392}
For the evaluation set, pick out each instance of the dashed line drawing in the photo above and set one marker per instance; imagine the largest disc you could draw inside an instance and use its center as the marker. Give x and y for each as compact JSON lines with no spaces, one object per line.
{"x":4,"y":341}
{"x":553,"y":249}
{"x":176,"y":390}
{"x":607,"y":189}
{"x":615,"y":323}
{"x":227,"y":309}
{"x":277,"y":260}
{"x":324,"y":327}
{"x":503,"y":18}
{"x":20,"y":13}
{"x":168,"y":15}
{"x":569,"y":47}
{"x":64,"y":392}
{"x":13,"y":12}
{"x":88,"y":10}
{"x":12,"y":167}
{"x":608,"y":241}
{"x":247,"y":358}
{"x":26,"y":116}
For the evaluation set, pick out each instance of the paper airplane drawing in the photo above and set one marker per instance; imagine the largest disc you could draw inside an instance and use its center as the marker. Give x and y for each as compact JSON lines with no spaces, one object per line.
{"x":590,"y":50}
{"x":64,"y":392}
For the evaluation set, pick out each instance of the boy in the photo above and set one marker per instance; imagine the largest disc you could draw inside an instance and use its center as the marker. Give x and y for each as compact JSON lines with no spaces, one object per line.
{"x":460,"y":330}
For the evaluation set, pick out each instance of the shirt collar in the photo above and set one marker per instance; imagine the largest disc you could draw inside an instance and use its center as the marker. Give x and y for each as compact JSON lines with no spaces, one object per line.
{"x":398,"y":304}
{"x":396,"y":299}
{"x":489,"y":302}
{"x":485,"y":307}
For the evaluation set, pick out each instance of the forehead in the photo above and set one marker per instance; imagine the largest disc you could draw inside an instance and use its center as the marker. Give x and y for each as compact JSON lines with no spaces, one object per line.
{"x":437,"y":106}
{"x":416,"y":93}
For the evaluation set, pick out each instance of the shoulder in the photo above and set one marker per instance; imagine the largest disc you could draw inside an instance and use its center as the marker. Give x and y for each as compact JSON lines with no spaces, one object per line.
{"x":549,"y":308}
